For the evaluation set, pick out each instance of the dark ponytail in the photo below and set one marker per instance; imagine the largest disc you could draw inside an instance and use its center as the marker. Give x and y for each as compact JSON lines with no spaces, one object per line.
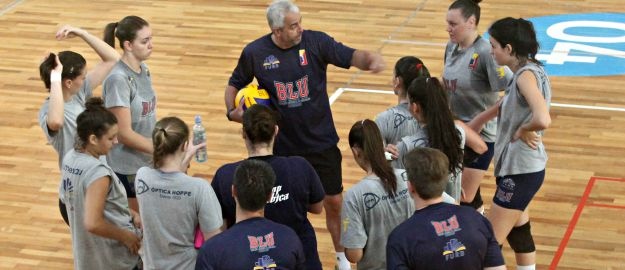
{"x":73,"y":66}
{"x":94,"y":120}
{"x":169,"y":134}
{"x":366,"y":136}
{"x":442,"y":134}
{"x":124,"y":30}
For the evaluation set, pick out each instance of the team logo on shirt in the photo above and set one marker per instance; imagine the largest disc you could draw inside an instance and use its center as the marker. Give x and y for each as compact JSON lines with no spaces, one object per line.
{"x":447,"y":227}
{"x":271,"y":62}
{"x":148,"y":107}
{"x":303,"y":61}
{"x":501,"y":72}
{"x":453,"y":249}
{"x":142,"y":187}
{"x":404,"y":176}
{"x":474,"y":61}
{"x":265,"y":262}
{"x":261,"y":243}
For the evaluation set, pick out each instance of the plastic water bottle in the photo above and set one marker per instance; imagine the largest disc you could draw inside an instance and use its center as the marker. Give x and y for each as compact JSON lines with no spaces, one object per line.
{"x":199,"y":136}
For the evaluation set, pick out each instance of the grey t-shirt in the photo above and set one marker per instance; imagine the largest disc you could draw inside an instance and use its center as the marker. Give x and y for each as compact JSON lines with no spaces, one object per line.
{"x":516,"y":157}
{"x":172,"y":205}
{"x":63,"y":139}
{"x":125,"y":88}
{"x":395,"y":123}
{"x":472,"y":79}
{"x":369,"y":215}
{"x":420,"y":139}
{"x":90,"y":251}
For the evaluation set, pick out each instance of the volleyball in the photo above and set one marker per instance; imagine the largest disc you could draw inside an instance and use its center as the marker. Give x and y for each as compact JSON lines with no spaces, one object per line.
{"x":251,"y":95}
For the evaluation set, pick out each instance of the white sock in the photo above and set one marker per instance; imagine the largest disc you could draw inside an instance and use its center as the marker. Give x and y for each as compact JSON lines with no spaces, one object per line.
{"x":526,"y":267}
{"x":341,"y":261}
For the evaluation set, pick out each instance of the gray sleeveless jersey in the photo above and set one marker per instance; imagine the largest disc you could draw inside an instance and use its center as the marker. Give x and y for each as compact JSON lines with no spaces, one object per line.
{"x":172,"y":205}
{"x":90,"y":251}
{"x":126,"y":88}
{"x":395,"y":123}
{"x":472,"y":80}
{"x":420,"y":139}
{"x":516,"y":157}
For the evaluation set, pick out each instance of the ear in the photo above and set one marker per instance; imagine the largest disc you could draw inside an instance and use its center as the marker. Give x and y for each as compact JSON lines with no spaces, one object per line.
{"x":411,"y":190}
{"x":275,"y":132}
{"x":127,"y":45}
{"x":67,"y":83}
{"x":92,"y":139}
{"x":508,"y":49}
{"x":356,"y":151}
{"x":472,"y":20}
{"x":233,"y":191}
{"x":396,"y":82}
{"x":184,"y":146}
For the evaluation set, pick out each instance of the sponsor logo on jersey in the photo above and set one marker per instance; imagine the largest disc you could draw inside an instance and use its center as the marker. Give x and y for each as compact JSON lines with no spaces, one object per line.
{"x":67,"y":185}
{"x":399,"y":119}
{"x":292,"y":94}
{"x":453,"y":249}
{"x":474,"y":61}
{"x":261,"y":243}
{"x":265,"y":262}
{"x":276,"y":197}
{"x":271,"y":62}
{"x":447,"y":227}
{"x":142,"y":187}
{"x":303,"y":61}
{"x":371,"y":200}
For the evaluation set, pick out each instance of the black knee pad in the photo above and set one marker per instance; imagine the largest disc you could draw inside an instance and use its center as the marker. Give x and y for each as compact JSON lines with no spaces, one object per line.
{"x":520,"y":239}
{"x":477,"y":201}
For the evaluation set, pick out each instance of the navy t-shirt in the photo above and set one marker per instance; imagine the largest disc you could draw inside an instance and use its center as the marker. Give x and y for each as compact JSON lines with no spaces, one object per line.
{"x":297,"y":186}
{"x":295,"y":79}
{"x":255,"y":243}
{"x":443,"y":236}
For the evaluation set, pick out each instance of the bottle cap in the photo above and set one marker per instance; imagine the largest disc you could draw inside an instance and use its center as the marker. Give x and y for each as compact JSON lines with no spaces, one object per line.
{"x":198,"y":119}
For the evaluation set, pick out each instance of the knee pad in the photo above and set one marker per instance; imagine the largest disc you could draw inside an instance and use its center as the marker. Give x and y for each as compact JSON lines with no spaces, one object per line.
{"x":477,"y":201}
{"x":520,"y":239}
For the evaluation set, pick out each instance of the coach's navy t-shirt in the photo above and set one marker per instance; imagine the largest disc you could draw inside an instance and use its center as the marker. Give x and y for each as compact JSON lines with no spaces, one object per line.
{"x":297,"y":186}
{"x":295,"y":79}
{"x":255,"y":243}
{"x":443,"y":236}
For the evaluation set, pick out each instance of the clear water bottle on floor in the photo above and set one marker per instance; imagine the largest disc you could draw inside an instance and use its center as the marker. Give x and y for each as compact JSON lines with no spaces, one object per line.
{"x":199,"y":136}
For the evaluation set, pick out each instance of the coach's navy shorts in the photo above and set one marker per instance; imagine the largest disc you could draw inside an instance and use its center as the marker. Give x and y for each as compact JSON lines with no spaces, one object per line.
{"x":327,"y":164}
{"x":128,"y":180}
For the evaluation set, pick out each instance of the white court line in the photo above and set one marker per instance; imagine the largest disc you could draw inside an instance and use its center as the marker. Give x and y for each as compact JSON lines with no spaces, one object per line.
{"x":8,"y":7}
{"x":340,"y":91}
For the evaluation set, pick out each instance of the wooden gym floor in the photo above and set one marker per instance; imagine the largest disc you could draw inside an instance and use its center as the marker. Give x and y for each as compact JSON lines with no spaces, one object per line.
{"x":575,"y":216}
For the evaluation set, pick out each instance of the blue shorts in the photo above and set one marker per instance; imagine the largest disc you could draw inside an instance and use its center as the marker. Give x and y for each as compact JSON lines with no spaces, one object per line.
{"x":327,"y":164}
{"x":128,"y":180}
{"x":516,"y":191}
{"x":483,"y":161}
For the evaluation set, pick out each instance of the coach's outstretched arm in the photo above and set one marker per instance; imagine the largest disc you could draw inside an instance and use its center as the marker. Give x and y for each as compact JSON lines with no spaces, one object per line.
{"x":368,"y":61}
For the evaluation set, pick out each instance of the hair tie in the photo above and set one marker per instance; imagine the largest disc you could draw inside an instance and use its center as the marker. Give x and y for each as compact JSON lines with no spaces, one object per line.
{"x":419,"y":66}
{"x":164,"y":132}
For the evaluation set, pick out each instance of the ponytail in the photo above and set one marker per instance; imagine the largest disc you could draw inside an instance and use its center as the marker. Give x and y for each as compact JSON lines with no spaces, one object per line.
{"x":365,"y":135}
{"x":442,"y":134}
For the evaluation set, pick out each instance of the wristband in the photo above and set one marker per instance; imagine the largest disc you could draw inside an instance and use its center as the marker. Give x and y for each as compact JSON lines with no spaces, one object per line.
{"x":55,"y":76}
